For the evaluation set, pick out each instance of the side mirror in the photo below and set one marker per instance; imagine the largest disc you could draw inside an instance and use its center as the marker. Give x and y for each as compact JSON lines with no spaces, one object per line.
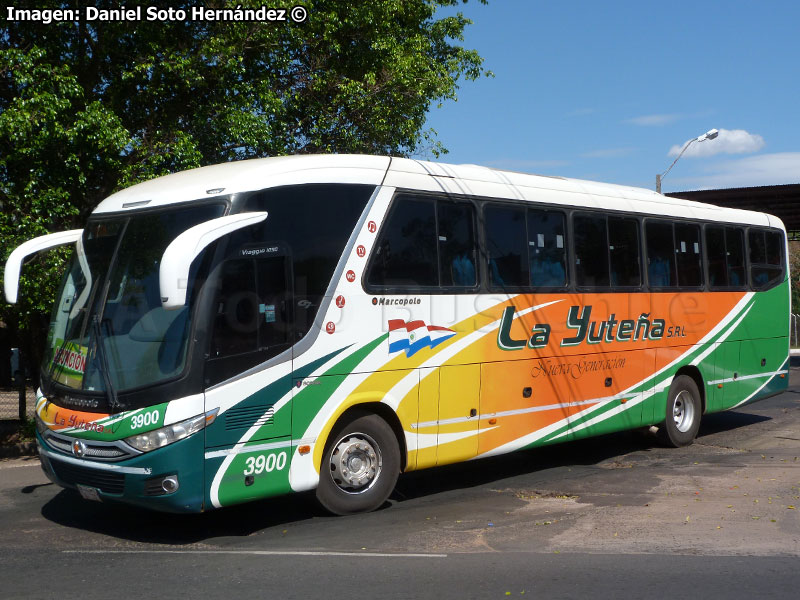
{"x":173,"y":275}
{"x":14,"y":261}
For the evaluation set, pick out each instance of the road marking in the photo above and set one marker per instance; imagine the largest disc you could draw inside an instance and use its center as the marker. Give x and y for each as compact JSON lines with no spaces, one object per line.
{"x":263,"y":553}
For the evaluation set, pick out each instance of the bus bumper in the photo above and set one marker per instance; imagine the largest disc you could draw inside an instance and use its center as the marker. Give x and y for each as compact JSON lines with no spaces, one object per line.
{"x":139,"y":480}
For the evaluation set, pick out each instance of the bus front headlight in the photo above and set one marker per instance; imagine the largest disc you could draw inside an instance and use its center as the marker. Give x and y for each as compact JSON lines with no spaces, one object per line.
{"x":158,"y":438}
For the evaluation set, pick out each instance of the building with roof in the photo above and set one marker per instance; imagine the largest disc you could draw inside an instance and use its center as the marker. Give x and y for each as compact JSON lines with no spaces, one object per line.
{"x":783,"y":201}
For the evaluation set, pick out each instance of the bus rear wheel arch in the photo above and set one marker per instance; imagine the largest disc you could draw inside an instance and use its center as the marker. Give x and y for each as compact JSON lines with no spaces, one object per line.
{"x":360,"y":465}
{"x":683,"y":413}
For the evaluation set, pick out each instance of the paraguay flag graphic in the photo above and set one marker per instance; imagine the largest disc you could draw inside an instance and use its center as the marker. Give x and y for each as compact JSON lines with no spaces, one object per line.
{"x":415,"y":335}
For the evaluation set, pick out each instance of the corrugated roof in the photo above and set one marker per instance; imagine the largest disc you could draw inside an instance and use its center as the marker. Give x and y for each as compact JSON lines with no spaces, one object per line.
{"x":783,"y":201}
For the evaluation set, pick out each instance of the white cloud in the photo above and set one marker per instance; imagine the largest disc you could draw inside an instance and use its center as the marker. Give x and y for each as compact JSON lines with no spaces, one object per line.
{"x":654,"y":120}
{"x":729,"y":141}
{"x":764,"y":169}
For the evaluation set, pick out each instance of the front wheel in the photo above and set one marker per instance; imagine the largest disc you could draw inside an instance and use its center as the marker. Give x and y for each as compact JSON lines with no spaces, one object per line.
{"x":683,"y":413}
{"x":360,"y":466}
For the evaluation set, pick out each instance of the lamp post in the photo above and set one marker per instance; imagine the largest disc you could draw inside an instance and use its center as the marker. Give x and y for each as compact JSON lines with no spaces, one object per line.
{"x":708,"y":135}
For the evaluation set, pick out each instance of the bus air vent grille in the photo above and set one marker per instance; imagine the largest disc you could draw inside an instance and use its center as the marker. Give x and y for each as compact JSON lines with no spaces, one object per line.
{"x":245,"y":418}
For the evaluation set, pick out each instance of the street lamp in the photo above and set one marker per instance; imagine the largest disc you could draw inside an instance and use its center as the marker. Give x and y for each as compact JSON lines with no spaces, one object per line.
{"x":708,"y":135}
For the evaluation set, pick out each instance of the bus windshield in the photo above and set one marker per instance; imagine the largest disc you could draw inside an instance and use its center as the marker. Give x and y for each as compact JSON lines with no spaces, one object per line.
{"x":111,"y":291}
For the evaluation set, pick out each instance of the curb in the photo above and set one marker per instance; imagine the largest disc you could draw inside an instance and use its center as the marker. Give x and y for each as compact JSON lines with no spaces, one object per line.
{"x":18,"y":449}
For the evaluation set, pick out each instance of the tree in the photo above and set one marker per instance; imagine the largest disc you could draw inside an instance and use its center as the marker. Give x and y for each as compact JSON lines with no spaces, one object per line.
{"x":88,"y":107}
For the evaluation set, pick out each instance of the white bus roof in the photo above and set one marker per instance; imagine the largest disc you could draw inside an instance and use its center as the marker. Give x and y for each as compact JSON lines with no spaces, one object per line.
{"x":257,"y":174}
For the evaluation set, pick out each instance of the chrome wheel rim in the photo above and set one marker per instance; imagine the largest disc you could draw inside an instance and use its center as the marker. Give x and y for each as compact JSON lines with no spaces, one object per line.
{"x":355,"y":463}
{"x":683,"y":411}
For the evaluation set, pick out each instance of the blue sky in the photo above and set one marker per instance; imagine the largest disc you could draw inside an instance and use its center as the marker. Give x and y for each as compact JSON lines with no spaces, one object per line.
{"x":612,"y":90}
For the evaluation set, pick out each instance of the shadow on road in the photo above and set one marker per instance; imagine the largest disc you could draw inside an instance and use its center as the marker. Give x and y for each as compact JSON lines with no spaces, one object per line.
{"x":589,"y":452}
{"x":728,"y":421}
{"x":136,"y":524}
{"x":68,"y":509}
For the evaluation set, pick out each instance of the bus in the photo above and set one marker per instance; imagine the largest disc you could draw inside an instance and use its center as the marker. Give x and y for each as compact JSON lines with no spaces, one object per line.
{"x":268,"y":326}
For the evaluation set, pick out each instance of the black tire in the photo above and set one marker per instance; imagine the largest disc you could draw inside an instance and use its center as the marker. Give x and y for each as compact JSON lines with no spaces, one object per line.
{"x":368,"y":445}
{"x":684,"y":411}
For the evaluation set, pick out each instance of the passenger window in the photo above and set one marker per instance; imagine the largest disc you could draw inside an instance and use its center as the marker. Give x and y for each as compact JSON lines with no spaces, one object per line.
{"x":623,"y":249}
{"x":725,"y":251}
{"x":456,"y":235}
{"x":546,"y":248}
{"x":426,"y":242}
{"x":406,"y":254}
{"x":734,"y":246}
{"x":766,"y":258}
{"x":506,"y":246}
{"x":715,"y":254}
{"x":660,"y":255}
{"x":687,"y":252}
{"x":591,"y":261}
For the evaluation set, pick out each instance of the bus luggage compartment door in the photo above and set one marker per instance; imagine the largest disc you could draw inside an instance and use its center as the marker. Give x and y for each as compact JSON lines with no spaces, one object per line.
{"x":459,"y":406}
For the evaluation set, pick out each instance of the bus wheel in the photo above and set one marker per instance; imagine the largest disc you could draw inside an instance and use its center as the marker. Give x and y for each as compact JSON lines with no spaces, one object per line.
{"x":360,"y":466}
{"x":683,"y":413}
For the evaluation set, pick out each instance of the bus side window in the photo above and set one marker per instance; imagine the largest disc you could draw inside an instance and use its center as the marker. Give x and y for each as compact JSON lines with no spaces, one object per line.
{"x":623,"y":246}
{"x":505,"y":246}
{"x":734,"y":247}
{"x":660,"y":255}
{"x":715,"y":254}
{"x":406,"y":253}
{"x":725,"y":251}
{"x":591,"y":256}
{"x":547,"y":248}
{"x":766,"y":258}
{"x":687,"y":251}
{"x":456,"y":235}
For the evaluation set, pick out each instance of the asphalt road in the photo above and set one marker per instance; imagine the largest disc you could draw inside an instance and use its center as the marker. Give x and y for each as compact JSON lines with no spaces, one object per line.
{"x":609,"y":517}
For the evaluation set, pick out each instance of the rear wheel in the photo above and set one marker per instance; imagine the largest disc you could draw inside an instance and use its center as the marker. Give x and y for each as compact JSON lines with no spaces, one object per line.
{"x":683,"y":413}
{"x":360,"y":466}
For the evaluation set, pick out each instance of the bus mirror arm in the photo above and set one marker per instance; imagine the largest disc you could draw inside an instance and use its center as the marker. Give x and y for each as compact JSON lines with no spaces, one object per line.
{"x":173,"y":274}
{"x":14,"y":261}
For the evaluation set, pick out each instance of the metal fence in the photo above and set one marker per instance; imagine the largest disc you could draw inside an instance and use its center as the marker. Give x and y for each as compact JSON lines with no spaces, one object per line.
{"x":17,"y":394}
{"x":17,"y":403}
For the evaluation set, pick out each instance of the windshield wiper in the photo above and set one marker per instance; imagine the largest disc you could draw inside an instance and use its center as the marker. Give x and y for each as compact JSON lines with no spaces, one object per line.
{"x":100,"y":353}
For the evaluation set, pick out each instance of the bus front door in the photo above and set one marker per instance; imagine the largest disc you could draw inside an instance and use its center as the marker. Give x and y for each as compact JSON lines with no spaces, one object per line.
{"x":248,"y":370}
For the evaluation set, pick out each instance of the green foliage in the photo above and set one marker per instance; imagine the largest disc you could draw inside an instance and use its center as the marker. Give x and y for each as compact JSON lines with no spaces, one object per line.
{"x":794,"y":275}
{"x":27,"y":430}
{"x":87,"y":108}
